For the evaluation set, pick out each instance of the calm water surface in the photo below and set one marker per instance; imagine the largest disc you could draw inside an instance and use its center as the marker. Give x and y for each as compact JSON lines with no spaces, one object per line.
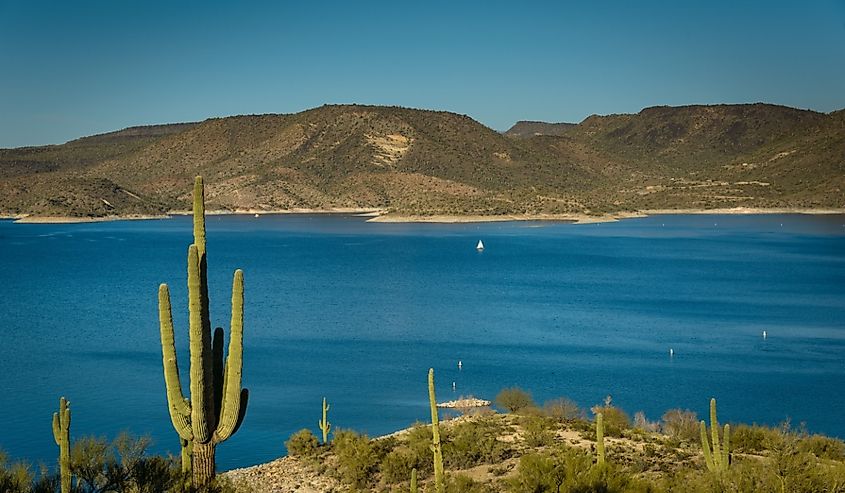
{"x":358,"y":312}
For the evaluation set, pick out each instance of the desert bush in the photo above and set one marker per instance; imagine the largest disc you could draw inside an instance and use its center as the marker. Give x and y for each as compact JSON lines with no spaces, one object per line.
{"x":538,"y":472}
{"x":357,"y":458}
{"x":14,"y":478}
{"x":681,"y":424}
{"x":752,"y":439}
{"x":415,"y":449}
{"x":514,"y":399}
{"x":560,"y":469}
{"x":397,"y":465}
{"x":538,"y":431}
{"x":418,"y":441}
{"x":460,"y":483}
{"x":563,"y":409}
{"x":121,"y":466}
{"x":615,"y":420}
{"x":303,"y":443}
{"x":643,"y":424}
{"x":823,"y":447}
{"x":472,"y":443}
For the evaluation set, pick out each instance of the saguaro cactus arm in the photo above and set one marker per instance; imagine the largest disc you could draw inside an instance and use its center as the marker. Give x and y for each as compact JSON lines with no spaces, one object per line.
{"x":200,"y":346}
{"x":199,"y":215}
{"x":231,"y":404}
{"x":178,"y":406}
{"x":705,"y":446}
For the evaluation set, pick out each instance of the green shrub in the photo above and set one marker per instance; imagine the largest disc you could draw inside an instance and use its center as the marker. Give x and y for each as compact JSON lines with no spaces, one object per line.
{"x":357,"y":458}
{"x":460,"y":483}
{"x":121,"y":466}
{"x":471,"y":443}
{"x":397,"y":465}
{"x":823,"y":447}
{"x":538,"y":431}
{"x":538,"y":472}
{"x":560,"y":469}
{"x":752,"y":439}
{"x":14,"y":478}
{"x":418,"y":442}
{"x":681,"y":424}
{"x":514,"y":399}
{"x":303,"y":443}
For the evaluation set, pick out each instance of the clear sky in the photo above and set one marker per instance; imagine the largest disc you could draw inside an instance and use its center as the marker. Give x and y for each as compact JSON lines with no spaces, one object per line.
{"x":74,"y":68}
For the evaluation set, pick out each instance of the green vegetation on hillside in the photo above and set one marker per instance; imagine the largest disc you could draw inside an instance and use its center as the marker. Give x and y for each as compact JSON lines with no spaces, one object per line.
{"x":421,"y":162}
{"x":533,"y":451}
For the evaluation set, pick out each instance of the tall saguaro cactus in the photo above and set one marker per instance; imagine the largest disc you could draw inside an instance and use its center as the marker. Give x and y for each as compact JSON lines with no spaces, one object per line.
{"x":435,"y":434}
{"x":324,"y":424}
{"x":718,"y":458}
{"x":217,"y":404}
{"x":600,"y":437}
{"x":61,"y":433}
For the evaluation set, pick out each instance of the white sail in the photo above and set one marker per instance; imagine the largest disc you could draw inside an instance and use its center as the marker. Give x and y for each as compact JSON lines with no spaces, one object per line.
{"x":480,"y":245}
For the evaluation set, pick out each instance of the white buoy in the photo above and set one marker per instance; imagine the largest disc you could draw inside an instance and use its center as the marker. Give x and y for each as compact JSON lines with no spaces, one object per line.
{"x":453,"y":385}
{"x":460,"y":365}
{"x":765,"y":334}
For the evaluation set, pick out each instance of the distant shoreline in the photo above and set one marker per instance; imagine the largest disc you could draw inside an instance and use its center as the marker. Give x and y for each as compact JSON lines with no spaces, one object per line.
{"x":581,"y":218}
{"x":379,"y":216}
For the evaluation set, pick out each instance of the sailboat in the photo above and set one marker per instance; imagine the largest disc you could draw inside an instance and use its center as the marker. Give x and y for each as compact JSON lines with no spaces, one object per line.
{"x":480,"y":246}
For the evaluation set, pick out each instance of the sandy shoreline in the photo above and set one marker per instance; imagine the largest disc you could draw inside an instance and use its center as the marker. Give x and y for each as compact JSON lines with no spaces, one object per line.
{"x":445,"y":219}
{"x":581,"y":218}
{"x":25,"y":219}
{"x":379,"y":216}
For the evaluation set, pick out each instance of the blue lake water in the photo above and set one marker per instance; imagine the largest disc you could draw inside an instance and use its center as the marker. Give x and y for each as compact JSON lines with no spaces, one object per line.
{"x":358,"y":312}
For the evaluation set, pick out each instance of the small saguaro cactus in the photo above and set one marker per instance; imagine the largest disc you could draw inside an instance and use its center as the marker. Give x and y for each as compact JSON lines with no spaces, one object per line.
{"x":324,"y":424}
{"x":414,"y":480}
{"x":435,"y":436}
{"x":217,"y":404}
{"x":600,"y":438}
{"x":61,"y":433}
{"x":717,"y":458}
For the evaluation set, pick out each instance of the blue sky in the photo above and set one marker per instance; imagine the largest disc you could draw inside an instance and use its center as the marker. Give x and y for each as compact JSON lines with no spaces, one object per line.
{"x":69,"y":69}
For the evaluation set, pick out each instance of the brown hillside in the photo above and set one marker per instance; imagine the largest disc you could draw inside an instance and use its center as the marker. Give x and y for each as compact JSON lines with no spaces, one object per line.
{"x":430,"y":162}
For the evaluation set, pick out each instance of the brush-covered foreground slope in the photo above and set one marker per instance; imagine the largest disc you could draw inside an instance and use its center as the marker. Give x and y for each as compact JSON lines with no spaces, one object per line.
{"x":541,"y":452}
{"x":426,"y":162}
